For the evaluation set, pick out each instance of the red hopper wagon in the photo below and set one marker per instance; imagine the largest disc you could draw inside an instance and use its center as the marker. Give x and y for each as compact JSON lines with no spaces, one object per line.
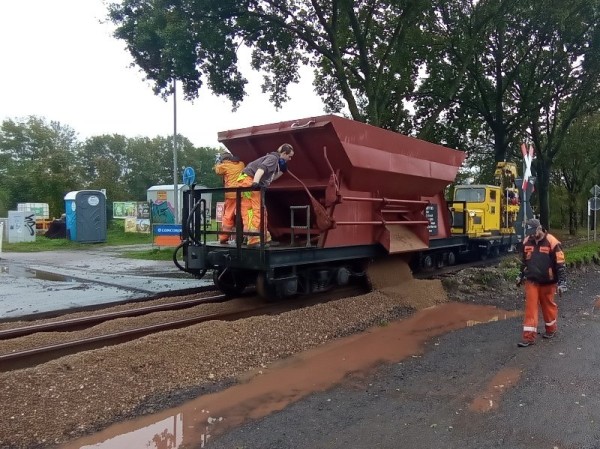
{"x":353,"y":192}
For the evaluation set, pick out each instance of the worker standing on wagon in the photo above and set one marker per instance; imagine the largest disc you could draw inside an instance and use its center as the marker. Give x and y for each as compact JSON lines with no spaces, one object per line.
{"x":229,"y":167}
{"x":543,"y":271}
{"x":258,"y":174}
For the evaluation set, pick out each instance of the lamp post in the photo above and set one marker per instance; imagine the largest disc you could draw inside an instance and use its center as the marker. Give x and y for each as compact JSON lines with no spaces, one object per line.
{"x":175,"y":182}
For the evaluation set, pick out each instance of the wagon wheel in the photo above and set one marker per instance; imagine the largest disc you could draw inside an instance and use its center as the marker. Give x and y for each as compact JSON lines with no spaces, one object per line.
{"x":484,"y":253}
{"x":451,"y":258}
{"x":427,"y":262}
{"x":229,"y":281}
{"x":266,"y":290}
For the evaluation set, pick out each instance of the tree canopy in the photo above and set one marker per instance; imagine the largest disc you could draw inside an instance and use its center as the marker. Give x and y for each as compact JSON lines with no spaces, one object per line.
{"x":366,"y":54}
{"x":477,"y":75}
{"x":40,"y":162}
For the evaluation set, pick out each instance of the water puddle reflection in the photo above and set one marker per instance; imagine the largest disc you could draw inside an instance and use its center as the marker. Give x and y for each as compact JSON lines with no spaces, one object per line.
{"x":164,"y":434}
{"x":29,"y":273}
{"x":290,"y":380}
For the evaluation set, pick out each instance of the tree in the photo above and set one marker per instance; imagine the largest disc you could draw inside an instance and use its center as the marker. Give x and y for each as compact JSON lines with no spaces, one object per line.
{"x":202,"y":160}
{"x":149,"y":162}
{"x":462,"y":89}
{"x":39,"y":160}
{"x":533,"y":67}
{"x":102,"y":162}
{"x":566,"y":77}
{"x":366,"y":53}
{"x":578,"y":165}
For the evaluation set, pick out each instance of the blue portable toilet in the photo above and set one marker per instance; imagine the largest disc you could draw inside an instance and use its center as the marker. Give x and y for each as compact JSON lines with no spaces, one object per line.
{"x":86,"y":216}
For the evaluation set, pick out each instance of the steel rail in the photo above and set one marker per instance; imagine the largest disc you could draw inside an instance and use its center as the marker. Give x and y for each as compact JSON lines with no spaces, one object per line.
{"x":452,"y":269}
{"x":88,"y":321}
{"x":31,"y":357}
{"x":36,"y":356}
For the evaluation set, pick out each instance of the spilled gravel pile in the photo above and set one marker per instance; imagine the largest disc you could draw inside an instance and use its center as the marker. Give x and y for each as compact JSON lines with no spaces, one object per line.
{"x":74,"y":395}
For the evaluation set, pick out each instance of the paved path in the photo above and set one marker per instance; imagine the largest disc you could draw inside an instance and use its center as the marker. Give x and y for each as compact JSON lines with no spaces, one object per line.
{"x":41,"y":282}
{"x":472,"y":389}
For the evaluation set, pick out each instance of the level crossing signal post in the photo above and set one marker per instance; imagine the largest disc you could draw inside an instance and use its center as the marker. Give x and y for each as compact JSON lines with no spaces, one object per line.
{"x":593,"y":206}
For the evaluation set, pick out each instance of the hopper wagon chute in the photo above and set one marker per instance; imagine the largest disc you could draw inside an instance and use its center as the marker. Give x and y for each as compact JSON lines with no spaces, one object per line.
{"x":353,"y":192}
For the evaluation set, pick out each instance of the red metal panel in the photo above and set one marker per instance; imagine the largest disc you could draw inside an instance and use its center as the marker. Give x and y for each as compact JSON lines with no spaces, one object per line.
{"x":370,"y":162}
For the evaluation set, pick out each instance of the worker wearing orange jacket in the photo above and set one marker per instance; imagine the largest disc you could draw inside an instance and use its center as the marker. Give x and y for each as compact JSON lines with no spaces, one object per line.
{"x":543,"y":271}
{"x":260,"y":174}
{"x":229,"y":167}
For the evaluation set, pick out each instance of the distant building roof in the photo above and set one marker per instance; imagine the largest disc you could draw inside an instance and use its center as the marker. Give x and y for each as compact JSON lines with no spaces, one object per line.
{"x":166,"y":187}
{"x":169,"y":187}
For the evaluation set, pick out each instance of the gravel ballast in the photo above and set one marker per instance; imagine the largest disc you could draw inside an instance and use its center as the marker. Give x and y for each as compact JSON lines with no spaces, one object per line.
{"x":76,"y":395}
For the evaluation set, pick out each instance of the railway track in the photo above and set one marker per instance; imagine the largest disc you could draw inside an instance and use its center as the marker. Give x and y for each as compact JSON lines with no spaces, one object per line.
{"x":91,"y":320}
{"x":104,"y":304}
{"x":64,"y":329}
{"x":67,"y":345}
{"x":449,"y":270}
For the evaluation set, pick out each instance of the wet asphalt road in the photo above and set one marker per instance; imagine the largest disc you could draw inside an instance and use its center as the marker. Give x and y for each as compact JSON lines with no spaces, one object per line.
{"x":472,"y":388}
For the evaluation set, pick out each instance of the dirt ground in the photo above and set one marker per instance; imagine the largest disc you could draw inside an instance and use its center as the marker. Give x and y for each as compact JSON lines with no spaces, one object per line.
{"x":75,"y":395}
{"x":471,"y":388}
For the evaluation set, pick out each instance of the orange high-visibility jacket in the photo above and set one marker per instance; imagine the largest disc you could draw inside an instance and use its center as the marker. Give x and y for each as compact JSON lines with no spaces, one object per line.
{"x":230,"y":170}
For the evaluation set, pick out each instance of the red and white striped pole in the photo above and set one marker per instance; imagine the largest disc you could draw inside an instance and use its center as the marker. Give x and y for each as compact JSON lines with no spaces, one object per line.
{"x":527,"y":158}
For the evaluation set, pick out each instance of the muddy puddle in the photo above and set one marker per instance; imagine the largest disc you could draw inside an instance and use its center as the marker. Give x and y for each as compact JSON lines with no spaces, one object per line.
{"x":490,"y":398}
{"x":196,"y":422}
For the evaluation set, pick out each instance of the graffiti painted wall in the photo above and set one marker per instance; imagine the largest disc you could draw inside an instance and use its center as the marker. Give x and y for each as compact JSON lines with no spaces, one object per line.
{"x":21,"y":226}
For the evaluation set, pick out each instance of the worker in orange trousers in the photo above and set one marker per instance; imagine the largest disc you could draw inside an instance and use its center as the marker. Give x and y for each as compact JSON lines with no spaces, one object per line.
{"x":229,"y":167}
{"x":543,"y":272}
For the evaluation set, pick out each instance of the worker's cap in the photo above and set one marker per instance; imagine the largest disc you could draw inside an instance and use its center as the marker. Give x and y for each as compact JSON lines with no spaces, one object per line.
{"x":226,"y":156}
{"x":531,"y":226}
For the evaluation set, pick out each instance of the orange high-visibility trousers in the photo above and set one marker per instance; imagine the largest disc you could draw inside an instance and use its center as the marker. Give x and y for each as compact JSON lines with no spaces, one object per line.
{"x":251,"y":212}
{"x":544,"y":296}
{"x":228,"y":219}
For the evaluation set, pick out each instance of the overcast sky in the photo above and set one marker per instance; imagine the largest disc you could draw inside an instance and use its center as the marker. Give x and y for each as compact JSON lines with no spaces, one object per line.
{"x":60,"y":63}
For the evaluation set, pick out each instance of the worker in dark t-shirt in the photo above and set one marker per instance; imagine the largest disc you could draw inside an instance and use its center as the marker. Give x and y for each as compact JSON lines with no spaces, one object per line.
{"x":260,"y":174}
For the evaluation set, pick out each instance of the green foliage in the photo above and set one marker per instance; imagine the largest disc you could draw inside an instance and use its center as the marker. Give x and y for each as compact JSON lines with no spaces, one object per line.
{"x":40,"y":162}
{"x":37,"y":163}
{"x":487,"y":277}
{"x":152,"y":254}
{"x":576,"y":171}
{"x":450,"y":283}
{"x":366,"y":54}
{"x":480,"y":76}
{"x":585,"y":253}
{"x":510,"y":262}
{"x":510,"y":274}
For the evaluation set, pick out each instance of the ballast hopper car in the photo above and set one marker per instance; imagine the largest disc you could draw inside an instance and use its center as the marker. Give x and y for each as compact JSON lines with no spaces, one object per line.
{"x":353,"y":193}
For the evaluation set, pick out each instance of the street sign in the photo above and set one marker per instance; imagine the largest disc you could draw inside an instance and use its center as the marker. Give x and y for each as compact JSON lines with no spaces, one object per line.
{"x":189,"y":176}
{"x":595,"y":190}
{"x":594,"y":203}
